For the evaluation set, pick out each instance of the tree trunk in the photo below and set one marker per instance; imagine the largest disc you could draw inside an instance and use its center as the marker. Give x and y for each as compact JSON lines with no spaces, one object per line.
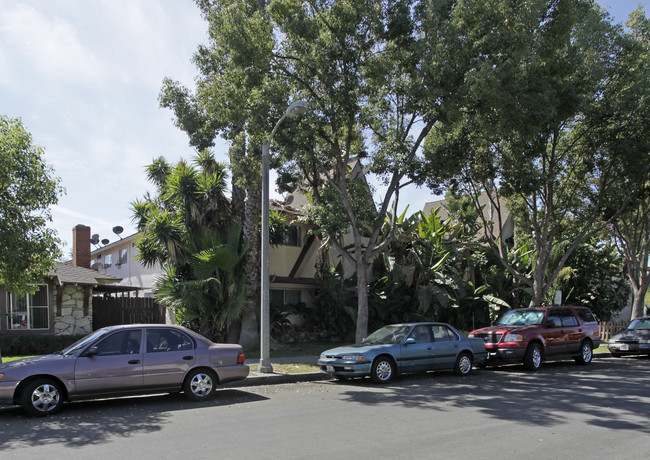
{"x":638,"y":304}
{"x":249,"y":337}
{"x":362,"y":311}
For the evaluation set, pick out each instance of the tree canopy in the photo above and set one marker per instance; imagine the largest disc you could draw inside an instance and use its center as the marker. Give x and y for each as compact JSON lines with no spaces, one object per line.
{"x":28,"y":188}
{"x":547,"y":128}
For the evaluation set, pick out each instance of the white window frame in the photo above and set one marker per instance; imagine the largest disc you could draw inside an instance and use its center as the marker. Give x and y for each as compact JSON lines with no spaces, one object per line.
{"x":28,"y":314}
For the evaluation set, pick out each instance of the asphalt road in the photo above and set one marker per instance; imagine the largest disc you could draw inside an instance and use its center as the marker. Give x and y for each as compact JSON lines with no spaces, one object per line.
{"x":601,"y":411}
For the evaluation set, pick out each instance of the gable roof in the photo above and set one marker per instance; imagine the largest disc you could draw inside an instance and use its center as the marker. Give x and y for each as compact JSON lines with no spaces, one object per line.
{"x":72,"y":274}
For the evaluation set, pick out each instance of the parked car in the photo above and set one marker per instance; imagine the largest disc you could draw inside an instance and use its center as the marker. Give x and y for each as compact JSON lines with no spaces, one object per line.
{"x":399,"y":348}
{"x":533,"y":335}
{"x":633,"y":340}
{"x":119,"y":361}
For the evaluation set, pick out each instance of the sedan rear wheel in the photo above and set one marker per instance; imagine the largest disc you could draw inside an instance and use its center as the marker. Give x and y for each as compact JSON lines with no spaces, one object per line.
{"x":42,"y":397}
{"x":463,"y":364}
{"x":383,"y":370}
{"x":586,"y":353}
{"x":200,"y":384}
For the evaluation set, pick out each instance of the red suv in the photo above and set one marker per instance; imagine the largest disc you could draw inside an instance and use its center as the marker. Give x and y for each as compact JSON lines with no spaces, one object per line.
{"x":531,"y":335}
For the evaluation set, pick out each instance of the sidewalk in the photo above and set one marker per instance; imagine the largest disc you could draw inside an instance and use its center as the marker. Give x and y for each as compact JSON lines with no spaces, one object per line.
{"x":274,"y":378}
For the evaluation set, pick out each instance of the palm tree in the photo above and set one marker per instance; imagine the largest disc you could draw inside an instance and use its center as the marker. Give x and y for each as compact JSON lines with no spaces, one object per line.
{"x":188,"y":229}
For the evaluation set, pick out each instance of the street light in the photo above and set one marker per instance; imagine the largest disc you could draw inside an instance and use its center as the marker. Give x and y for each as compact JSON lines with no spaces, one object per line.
{"x":295,"y":109}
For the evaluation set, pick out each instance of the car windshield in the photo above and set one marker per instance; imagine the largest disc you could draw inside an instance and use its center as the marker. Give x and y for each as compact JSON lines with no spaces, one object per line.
{"x":522,"y":318}
{"x":640,"y":323}
{"x":80,"y":344}
{"x":388,"y":335}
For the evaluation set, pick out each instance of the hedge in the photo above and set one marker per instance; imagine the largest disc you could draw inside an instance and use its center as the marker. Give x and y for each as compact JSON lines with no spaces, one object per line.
{"x":20,"y":345}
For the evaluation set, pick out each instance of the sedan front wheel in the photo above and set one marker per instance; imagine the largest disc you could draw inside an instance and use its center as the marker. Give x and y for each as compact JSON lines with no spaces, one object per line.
{"x":383,"y":370}
{"x":42,"y":397}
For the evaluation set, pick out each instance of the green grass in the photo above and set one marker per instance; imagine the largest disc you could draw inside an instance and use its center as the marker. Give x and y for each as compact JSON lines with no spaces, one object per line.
{"x":6,"y":359}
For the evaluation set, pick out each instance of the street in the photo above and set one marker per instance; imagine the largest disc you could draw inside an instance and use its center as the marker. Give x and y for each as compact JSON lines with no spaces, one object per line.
{"x":563,"y":411}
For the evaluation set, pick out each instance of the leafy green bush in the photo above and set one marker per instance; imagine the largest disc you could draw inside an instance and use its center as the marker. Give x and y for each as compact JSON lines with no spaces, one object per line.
{"x":18,"y":345}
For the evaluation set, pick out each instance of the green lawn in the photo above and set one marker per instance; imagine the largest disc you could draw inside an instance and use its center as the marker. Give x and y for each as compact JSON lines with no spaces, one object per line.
{"x":6,"y":359}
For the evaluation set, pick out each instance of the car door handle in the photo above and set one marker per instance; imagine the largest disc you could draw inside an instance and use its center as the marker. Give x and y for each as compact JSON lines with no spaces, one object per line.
{"x":429,"y":348}
{"x":134,"y":361}
{"x":188,"y":358}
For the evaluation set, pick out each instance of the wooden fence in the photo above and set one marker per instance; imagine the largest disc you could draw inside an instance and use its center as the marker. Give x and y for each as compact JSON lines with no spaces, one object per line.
{"x":609,"y":328}
{"x":111,"y":311}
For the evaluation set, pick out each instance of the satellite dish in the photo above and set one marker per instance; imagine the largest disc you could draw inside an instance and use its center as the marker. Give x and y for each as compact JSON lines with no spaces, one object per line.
{"x":117,"y":230}
{"x":94,"y":239}
{"x":97,"y":266}
{"x":289,"y":199}
{"x":105,"y":241}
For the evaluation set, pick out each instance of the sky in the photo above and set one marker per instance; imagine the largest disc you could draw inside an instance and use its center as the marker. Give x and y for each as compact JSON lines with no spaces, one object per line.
{"x":84,"y":76}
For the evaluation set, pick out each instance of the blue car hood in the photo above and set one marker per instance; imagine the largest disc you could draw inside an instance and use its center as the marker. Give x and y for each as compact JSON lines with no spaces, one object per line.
{"x":358,"y":348}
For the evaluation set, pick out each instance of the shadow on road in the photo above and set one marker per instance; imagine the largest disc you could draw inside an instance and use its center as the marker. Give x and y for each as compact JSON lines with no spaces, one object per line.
{"x":609,"y":393}
{"x":94,"y":422}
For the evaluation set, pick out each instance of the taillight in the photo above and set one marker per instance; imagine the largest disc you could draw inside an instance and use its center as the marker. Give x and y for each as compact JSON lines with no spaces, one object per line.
{"x":240,"y":358}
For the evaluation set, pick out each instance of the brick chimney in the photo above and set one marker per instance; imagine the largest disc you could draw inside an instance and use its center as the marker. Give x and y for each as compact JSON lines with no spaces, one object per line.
{"x":81,"y":246}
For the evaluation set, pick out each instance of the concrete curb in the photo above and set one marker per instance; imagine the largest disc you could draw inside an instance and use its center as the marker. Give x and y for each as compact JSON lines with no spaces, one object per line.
{"x":254,"y":380}
{"x":258,"y":379}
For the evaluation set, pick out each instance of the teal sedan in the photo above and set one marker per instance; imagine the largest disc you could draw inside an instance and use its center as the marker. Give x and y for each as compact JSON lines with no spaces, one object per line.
{"x":399,"y":348}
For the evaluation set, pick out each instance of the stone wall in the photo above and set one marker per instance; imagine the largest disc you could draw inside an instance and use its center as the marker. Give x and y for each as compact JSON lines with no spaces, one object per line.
{"x":72,"y":320}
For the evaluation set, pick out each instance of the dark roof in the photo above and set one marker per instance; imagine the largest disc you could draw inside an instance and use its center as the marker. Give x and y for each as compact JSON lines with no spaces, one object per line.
{"x":72,"y":274}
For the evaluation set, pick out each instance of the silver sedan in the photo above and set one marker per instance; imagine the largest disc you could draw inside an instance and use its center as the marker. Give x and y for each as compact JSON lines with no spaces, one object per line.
{"x":119,"y":361}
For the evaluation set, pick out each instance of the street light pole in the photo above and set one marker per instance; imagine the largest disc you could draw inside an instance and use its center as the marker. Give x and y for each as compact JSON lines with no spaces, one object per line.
{"x":295,"y":109}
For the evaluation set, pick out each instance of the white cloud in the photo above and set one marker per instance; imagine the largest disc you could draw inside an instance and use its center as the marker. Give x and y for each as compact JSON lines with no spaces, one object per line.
{"x":47,"y":45}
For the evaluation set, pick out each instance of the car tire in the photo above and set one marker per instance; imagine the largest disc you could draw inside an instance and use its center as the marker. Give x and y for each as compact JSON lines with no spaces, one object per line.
{"x":586,"y":353}
{"x":42,"y":397}
{"x":463,"y":364}
{"x":383,"y":370}
{"x":200,"y":384}
{"x":533,"y":357}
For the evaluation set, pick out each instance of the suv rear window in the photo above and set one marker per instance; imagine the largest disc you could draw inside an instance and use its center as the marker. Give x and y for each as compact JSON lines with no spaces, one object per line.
{"x":586,"y":316}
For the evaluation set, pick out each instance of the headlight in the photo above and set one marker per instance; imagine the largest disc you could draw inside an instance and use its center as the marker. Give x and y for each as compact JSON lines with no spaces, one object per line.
{"x":352,"y":358}
{"x":471,"y":336}
{"x":322,"y":356}
{"x":513,"y":338}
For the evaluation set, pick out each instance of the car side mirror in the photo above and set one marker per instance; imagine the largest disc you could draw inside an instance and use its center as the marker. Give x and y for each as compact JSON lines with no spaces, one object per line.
{"x":409,"y":341}
{"x":92,"y":351}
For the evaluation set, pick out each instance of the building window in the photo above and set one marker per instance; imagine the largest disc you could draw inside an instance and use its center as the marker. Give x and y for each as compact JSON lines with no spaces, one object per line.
{"x":122,"y":258}
{"x":292,"y":236}
{"x":278,"y":297}
{"x":29,"y":311}
{"x":108,"y":260}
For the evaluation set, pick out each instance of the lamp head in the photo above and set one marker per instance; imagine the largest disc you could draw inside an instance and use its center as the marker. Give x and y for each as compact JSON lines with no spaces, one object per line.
{"x":296,"y":108}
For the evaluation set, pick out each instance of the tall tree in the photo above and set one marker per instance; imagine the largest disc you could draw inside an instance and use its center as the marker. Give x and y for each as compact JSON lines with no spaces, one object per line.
{"x":536,"y":127}
{"x":237,"y":98}
{"x":28,"y":188}
{"x":632,"y":229}
{"x":376,"y":75}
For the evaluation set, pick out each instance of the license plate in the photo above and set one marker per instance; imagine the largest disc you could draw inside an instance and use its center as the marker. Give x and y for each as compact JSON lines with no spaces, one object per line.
{"x":624,"y":347}
{"x":330,"y":368}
